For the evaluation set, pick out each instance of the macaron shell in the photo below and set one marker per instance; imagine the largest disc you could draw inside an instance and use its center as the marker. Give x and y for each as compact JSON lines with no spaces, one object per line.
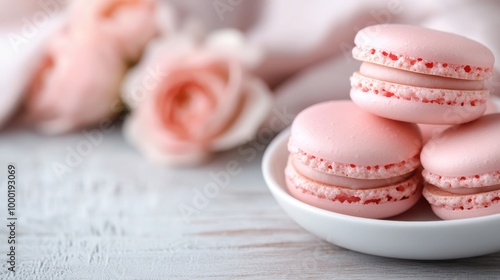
{"x":430,"y":130}
{"x":411,"y":92}
{"x":340,"y":131}
{"x":416,"y":112}
{"x":424,"y":50}
{"x":465,"y":150}
{"x":357,"y":171}
{"x":404,"y":77}
{"x":447,"y":214}
{"x":472,"y":181}
{"x":449,"y":206}
{"x":342,"y":181}
{"x":374,"y":203}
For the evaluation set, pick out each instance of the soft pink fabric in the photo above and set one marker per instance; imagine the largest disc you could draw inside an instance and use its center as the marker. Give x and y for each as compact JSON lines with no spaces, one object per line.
{"x":19,"y":58}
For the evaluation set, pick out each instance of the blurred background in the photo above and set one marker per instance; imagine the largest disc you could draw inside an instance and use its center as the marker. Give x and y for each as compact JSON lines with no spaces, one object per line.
{"x":305,"y":47}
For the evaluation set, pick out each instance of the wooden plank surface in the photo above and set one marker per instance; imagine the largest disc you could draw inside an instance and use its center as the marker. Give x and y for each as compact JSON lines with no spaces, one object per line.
{"x":115,"y":216}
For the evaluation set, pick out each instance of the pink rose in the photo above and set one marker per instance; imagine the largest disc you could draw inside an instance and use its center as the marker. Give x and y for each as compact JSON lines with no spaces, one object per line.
{"x":189,"y":100}
{"x":74,"y":86}
{"x":128,"y":24}
{"x":77,"y":84}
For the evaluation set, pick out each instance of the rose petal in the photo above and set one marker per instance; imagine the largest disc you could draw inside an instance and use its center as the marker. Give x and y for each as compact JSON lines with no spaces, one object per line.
{"x":191,"y":123}
{"x":143,"y":138}
{"x":258,"y":103}
{"x":227,"y":98}
{"x":231,"y":41}
{"x":201,"y":101}
{"x":78,"y":85}
{"x":159,"y":58}
{"x":128,"y":24}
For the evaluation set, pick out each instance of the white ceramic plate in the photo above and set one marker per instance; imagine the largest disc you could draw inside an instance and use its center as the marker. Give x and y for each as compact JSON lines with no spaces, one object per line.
{"x":415,"y":234}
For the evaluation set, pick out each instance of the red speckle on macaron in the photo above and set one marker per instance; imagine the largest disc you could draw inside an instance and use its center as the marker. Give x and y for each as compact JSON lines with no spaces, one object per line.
{"x":376,"y":201}
{"x":343,"y":199}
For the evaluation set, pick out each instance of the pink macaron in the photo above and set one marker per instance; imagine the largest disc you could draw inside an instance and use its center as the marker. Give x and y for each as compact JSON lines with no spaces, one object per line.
{"x":430,"y":130}
{"x":462,"y":169}
{"x":346,"y":160}
{"x":415,"y":74}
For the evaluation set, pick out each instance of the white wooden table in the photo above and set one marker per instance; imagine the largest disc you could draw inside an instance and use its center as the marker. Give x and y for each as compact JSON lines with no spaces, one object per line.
{"x":115,"y":216}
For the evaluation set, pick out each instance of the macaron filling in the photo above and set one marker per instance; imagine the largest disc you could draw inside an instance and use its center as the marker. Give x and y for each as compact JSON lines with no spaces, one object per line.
{"x":438,"y":197}
{"x":451,"y":182}
{"x":352,"y":170}
{"x":395,"y":192}
{"x":420,"y":65}
{"x":342,"y":181}
{"x":471,"y":190}
{"x":404,"y":77}
{"x":420,"y":94}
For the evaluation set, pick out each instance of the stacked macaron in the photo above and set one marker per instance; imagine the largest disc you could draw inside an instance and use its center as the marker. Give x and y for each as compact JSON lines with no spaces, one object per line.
{"x":349,"y":161}
{"x":425,"y":76}
{"x":462,"y":169}
{"x":361,"y":158}
{"x":420,"y":75}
